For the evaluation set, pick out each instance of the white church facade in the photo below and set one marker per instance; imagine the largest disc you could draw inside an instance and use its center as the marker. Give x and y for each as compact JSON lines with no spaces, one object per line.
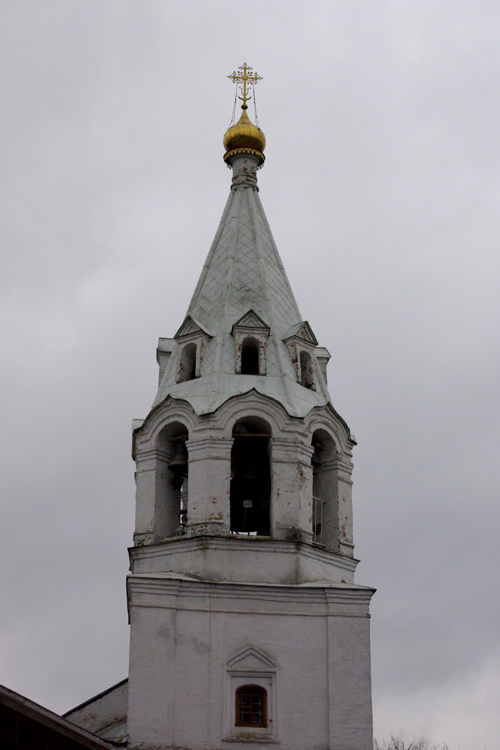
{"x":247,"y":628}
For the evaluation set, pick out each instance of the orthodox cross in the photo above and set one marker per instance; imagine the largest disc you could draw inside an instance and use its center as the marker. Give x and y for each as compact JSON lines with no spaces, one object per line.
{"x":244,"y":77}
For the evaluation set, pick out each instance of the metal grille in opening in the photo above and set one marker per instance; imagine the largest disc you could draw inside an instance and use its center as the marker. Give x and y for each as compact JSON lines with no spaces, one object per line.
{"x":318,"y":503}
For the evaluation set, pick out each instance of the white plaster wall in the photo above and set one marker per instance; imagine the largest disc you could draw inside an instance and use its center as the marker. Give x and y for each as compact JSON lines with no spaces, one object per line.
{"x":184,"y":633}
{"x":244,"y":560}
{"x":352,"y":677}
{"x":152,"y":679}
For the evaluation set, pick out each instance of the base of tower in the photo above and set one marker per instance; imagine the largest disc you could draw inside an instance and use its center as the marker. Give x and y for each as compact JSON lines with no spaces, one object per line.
{"x":198,"y":646}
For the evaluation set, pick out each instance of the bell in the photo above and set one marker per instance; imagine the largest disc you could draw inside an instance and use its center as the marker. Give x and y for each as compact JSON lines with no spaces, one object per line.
{"x":249,"y":467}
{"x":316,"y":457}
{"x":179,"y":463}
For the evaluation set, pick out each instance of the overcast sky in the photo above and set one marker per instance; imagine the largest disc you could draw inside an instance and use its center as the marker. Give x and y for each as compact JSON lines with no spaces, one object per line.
{"x":382,"y":187}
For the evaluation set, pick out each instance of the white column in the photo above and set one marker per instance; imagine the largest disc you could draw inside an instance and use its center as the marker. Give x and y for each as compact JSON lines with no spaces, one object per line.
{"x":291,"y":498}
{"x":344,"y":500}
{"x":209,"y":480}
{"x":157,"y":501}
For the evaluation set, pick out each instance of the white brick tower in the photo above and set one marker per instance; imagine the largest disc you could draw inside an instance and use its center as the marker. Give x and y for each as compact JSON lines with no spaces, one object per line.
{"x":247,"y":627}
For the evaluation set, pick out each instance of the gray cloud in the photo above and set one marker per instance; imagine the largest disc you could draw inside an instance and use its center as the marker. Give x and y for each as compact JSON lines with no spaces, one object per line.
{"x":381,"y":186}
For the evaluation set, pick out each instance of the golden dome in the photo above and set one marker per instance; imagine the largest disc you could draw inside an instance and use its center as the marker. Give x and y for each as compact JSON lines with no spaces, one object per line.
{"x":244,"y":135}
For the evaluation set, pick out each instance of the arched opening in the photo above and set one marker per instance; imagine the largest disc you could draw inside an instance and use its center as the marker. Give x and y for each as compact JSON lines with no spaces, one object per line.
{"x":250,"y":356}
{"x":325,"y":502}
{"x":250,"y":492}
{"x":251,"y":706}
{"x":187,"y":365}
{"x":306,"y":371}
{"x":172,"y":481}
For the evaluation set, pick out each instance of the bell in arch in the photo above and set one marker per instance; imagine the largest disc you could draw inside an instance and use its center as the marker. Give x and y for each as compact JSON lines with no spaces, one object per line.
{"x":249,"y":465}
{"x":316,"y":458}
{"x":179,"y":463}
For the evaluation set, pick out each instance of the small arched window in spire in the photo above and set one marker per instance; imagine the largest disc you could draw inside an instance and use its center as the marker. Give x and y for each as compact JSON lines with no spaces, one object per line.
{"x":250,"y":356}
{"x":187,"y":365}
{"x":307,"y":371}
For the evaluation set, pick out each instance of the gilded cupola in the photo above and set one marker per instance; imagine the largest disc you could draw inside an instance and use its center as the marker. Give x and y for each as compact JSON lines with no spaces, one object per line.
{"x":243,"y":136}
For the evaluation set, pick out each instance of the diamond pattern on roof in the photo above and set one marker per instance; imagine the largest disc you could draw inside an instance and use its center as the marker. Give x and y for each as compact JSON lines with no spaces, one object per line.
{"x":228,"y":357}
{"x":209,"y":358}
{"x":272,"y":368}
{"x":244,"y":271}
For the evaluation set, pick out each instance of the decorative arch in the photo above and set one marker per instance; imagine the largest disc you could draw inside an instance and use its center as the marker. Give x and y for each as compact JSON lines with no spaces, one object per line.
{"x":168,"y":411}
{"x":327,"y":418}
{"x":254,"y":404}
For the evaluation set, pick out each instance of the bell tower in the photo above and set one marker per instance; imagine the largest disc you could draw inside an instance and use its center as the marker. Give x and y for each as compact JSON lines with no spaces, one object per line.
{"x":247,"y":627}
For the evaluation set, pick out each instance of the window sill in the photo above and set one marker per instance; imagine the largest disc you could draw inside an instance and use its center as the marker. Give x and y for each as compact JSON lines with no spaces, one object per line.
{"x":258,"y":740}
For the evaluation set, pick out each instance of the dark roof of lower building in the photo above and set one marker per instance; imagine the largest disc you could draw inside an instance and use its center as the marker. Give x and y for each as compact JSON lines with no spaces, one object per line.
{"x":25,"y":724}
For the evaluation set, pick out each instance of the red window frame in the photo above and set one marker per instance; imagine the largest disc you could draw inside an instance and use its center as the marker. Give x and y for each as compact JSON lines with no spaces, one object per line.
{"x":251,"y":706}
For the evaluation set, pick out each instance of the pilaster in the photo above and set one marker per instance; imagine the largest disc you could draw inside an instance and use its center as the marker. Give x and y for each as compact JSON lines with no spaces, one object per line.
{"x":349,"y":670}
{"x":291,"y":499}
{"x":209,"y":483}
{"x":343,"y":483}
{"x":157,"y":501}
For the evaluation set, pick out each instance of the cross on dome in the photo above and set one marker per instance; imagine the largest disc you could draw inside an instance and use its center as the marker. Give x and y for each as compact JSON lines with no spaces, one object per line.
{"x":244,"y":78}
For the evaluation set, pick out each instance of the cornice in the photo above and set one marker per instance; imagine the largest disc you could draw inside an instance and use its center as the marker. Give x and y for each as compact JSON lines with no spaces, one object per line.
{"x":339,"y":600}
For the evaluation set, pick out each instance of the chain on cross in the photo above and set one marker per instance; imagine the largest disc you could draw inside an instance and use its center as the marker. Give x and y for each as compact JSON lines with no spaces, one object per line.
{"x":244,"y":77}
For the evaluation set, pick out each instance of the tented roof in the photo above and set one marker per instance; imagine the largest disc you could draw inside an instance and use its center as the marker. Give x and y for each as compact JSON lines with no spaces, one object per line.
{"x":243,"y":272}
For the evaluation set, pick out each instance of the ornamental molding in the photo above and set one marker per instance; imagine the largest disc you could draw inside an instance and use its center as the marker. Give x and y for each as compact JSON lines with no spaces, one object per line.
{"x":251,"y":658}
{"x":303,"y":332}
{"x":250,"y":321}
{"x":250,"y":151}
{"x":191,"y":327}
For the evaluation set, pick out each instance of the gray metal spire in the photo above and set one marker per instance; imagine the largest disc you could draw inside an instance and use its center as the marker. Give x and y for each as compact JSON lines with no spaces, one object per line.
{"x":243,"y":275}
